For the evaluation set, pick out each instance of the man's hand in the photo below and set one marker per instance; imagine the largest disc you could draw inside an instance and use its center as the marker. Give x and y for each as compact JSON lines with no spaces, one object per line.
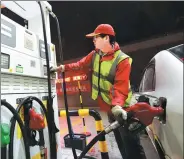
{"x":59,"y":68}
{"x":53,"y":69}
{"x":119,"y":114}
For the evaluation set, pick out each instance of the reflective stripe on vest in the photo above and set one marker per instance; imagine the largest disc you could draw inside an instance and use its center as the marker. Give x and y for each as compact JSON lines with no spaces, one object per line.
{"x":107,"y":75}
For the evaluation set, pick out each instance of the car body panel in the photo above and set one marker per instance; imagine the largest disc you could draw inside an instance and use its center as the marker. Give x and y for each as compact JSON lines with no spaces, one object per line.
{"x":168,"y":78}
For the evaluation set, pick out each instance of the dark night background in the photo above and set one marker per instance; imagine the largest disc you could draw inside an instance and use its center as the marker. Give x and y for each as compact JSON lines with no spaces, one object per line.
{"x":132,"y":21}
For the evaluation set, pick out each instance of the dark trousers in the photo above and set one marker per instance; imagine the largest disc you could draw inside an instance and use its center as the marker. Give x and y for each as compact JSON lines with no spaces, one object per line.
{"x":129,"y":146}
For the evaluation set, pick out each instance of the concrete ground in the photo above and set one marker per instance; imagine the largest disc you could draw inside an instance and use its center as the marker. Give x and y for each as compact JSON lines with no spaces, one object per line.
{"x":94,"y":152}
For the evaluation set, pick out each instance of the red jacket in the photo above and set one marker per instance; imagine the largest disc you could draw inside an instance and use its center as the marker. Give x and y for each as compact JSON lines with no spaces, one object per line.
{"x":121,"y":84}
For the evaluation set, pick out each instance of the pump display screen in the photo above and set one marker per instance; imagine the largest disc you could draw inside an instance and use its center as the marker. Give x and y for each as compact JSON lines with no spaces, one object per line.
{"x":5,"y":61}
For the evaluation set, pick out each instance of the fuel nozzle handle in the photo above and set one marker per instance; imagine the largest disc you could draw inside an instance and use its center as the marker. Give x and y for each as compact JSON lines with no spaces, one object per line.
{"x":5,"y":134}
{"x":117,"y":124}
{"x":140,"y":112}
{"x":36,"y":120}
{"x":144,"y":112}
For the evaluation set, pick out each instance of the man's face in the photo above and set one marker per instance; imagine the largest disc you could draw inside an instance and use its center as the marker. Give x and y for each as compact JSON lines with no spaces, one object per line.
{"x":100,"y":42}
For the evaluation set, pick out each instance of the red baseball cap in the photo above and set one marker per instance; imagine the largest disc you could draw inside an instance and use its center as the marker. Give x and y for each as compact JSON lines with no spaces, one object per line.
{"x":102,"y":29}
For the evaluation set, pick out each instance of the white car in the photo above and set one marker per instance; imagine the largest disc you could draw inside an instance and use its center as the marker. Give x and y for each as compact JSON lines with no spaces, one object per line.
{"x":163,"y":77}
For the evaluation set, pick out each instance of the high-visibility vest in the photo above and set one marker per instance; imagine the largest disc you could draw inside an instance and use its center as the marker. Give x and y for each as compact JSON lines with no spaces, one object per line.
{"x":104,"y":74}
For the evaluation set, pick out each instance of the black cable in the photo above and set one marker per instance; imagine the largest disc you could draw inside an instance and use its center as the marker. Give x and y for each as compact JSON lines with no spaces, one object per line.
{"x":3,"y":152}
{"x":90,"y":145}
{"x":12,"y":129}
{"x":107,"y":130}
{"x":64,"y":85}
{"x":13,"y":121}
{"x":68,"y":117}
{"x":51,"y":123}
{"x":22,"y":127}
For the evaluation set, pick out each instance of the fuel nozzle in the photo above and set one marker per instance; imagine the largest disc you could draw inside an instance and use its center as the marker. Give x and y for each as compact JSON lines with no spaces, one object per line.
{"x":5,"y":134}
{"x":5,"y":139}
{"x":36,"y":120}
{"x":145,"y":113}
{"x":139,"y":116}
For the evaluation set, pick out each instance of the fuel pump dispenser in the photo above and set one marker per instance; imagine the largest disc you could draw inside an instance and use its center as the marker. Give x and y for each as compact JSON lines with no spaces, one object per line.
{"x":27,"y":54}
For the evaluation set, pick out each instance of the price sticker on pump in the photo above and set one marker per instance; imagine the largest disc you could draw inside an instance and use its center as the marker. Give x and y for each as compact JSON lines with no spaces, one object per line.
{"x":19,"y":69}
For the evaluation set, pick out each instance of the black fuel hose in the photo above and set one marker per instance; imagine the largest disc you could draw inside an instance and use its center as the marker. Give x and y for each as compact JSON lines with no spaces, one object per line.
{"x":22,"y":127}
{"x":3,"y":152}
{"x":107,"y":130}
{"x":12,"y":129}
{"x":90,"y":145}
{"x":13,"y":121}
{"x":51,"y":121}
{"x":64,"y":84}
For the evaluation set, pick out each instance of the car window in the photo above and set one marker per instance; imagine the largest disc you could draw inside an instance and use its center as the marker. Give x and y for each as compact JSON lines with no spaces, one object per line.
{"x":148,"y":80}
{"x":178,"y":51}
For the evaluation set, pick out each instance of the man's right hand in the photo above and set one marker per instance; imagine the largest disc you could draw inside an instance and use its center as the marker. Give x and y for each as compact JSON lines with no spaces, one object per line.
{"x":59,"y":68}
{"x":119,"y":113}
